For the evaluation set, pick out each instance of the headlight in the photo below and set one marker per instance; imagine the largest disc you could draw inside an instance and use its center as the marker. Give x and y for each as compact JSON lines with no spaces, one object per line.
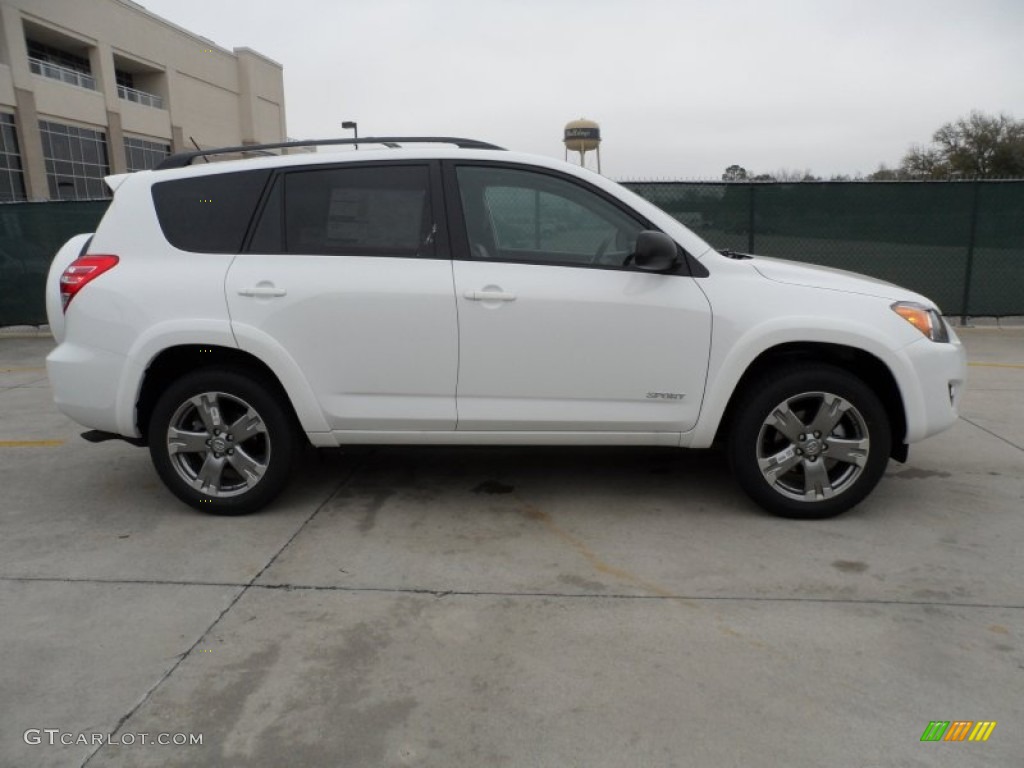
{"x":927,"y":321}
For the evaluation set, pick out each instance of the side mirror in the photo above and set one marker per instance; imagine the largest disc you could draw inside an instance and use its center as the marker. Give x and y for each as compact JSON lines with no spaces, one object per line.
{"x":655,"y":252}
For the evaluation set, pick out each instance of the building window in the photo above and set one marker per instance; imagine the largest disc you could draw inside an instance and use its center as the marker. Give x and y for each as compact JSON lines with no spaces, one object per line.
{"x":52,"y":55}
{"x":76,"y":161}
{"x":12,"y":178}
{"x":60,"y":65}
{"x":143,"y":155}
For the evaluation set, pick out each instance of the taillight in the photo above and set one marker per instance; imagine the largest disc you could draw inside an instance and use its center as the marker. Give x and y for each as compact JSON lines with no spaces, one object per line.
{"x":81,"y":272}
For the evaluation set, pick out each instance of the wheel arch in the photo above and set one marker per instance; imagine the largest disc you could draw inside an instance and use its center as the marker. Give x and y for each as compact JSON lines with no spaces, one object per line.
{"x":170,"y":363}
{"x":856,"y":361}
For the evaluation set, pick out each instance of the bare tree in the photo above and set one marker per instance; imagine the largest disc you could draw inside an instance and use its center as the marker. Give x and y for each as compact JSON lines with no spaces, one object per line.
{"x":791,"y":175}
{"x":976,"y":146}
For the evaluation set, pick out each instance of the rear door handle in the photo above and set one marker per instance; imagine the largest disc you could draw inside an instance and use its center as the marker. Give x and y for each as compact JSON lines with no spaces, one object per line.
{"x":262,"y":290}
{"x":489,"y":296}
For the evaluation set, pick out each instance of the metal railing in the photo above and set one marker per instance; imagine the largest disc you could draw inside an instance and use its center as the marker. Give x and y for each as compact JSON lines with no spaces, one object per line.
{"x":140,"y":97}
{"x":64,"y":74}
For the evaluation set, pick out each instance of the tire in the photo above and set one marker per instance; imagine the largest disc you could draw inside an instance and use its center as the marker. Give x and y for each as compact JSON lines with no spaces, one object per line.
{"x":809,"y":443}
{"x":221,"y":441}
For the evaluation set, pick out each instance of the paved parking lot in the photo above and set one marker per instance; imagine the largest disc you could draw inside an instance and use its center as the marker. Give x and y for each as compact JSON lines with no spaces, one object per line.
{"x":522,"y":607}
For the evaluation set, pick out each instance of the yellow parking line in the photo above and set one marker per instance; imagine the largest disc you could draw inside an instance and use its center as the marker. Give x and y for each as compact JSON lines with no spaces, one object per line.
{"x":996,"y":365}
{"x":29,"y":443}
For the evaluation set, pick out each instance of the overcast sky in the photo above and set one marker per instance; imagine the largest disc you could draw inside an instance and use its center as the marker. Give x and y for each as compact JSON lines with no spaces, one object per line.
{"x":681,"y":88}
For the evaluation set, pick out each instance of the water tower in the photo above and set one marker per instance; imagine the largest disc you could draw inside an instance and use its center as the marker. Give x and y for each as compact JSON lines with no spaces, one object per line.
{"x":583,"y":136}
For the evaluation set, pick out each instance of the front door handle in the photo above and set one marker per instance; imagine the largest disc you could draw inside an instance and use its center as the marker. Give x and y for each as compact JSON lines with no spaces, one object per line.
{"x":489,"y":296}
{"x":261,"y":290}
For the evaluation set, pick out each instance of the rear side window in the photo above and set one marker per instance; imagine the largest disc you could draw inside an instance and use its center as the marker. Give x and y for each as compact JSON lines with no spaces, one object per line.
{"x":365,"y":211}
{"x":208,"y":214}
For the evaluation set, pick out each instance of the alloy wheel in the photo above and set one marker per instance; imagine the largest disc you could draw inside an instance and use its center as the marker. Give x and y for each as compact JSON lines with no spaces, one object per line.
{"x":218,"y":444}
{"x":813,"y":446}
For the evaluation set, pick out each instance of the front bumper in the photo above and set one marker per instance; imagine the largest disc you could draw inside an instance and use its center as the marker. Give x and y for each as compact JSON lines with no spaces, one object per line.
{"x":934,"y":387}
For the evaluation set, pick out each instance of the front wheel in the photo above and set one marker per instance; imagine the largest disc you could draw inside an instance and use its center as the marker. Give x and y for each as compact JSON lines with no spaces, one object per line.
{"x":809,"y":443}
{"x":221,"y":442}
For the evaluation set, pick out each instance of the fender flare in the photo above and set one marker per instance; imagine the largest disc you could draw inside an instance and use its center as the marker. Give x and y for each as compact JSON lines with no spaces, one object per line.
{"x":725,"y":375}
{"x":214,"y":333}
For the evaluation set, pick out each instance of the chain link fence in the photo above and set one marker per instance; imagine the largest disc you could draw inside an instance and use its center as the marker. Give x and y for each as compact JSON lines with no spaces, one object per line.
{"x":959,"y":243}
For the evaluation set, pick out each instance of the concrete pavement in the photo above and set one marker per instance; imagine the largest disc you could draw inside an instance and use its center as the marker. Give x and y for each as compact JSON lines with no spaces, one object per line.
{"x":522,"y":607}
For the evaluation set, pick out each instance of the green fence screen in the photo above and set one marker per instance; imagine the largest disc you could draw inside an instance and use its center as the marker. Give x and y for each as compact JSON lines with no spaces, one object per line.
{"x":30,"y":235}
{"x":959,"y":243}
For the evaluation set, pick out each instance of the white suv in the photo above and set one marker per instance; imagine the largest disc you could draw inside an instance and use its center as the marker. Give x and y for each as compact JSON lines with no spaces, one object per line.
{"x":222,"y":313}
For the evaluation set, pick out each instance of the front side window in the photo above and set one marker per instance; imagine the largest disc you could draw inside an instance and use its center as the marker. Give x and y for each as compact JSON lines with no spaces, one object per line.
{"x":516,"y":215}
{"x":364,"y":211}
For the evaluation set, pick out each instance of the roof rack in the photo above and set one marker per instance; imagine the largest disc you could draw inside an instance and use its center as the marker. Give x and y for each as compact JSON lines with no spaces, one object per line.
{"x":183,"y":159}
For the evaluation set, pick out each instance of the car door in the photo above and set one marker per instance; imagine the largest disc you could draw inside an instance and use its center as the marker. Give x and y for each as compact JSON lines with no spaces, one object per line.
{"x":556,"y":332}
{"x":344,"y":273}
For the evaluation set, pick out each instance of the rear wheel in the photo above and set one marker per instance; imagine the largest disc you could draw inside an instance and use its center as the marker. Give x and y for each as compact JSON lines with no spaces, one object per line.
{"x":221,"y":442}
{"x":810,"y":443}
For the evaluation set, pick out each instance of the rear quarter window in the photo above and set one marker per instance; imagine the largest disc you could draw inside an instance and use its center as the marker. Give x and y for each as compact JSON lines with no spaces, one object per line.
{"x":210,"y":213}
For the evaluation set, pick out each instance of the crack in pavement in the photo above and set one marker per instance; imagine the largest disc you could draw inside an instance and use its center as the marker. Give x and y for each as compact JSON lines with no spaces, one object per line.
{"x":242,"y":589}
{"x":440,"y":593}
{"x":989,"y":431}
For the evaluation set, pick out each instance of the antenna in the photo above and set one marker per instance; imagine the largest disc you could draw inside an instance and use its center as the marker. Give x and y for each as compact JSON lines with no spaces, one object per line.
{"x":198,"y":148}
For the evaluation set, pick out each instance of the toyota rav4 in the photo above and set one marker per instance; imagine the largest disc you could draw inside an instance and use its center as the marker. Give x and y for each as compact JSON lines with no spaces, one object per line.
{"x":224,"y":313}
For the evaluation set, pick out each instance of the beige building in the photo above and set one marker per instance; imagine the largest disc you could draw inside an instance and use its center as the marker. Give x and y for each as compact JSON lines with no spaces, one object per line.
{"x":93,"y":87}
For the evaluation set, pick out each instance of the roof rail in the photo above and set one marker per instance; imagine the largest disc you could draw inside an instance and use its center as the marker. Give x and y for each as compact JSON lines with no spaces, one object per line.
{"x":183,"y":159}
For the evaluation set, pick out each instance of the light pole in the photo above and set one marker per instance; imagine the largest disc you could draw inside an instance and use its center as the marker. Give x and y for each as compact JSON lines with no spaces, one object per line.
{"x":354,"y":127}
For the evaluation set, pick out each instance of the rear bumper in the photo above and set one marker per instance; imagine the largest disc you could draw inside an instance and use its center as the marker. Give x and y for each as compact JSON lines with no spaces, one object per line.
{"x":83,"y":380}
{"x":932,"y":393}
